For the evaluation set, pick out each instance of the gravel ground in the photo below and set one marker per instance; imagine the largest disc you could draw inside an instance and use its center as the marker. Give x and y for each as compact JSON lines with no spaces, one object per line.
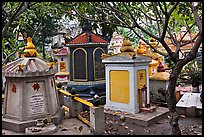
{"x":115,"y":126}
{"x":188,"y":126}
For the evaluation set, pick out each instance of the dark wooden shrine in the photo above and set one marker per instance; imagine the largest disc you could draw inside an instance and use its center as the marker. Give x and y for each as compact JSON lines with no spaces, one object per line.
{"x":87,"y":73}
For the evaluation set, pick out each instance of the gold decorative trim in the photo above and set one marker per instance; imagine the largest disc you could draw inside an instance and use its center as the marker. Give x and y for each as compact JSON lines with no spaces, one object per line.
{"x":94,"y":62}
{"x":85,"y":62}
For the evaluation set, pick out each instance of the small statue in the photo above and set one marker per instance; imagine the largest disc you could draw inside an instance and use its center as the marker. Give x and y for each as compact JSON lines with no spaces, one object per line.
{"x":40,"y":123}
{"x":96,"y":100}
{"x":49,"y":119}
{"x":73,"y":91}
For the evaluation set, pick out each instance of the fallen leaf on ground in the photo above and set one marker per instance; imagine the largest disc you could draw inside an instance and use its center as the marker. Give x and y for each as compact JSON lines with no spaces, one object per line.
{"x":110,"y":122}
{"x":115,"y":129}
{"x":183,"y":116}
{"x":80,"y":128}
{"x":131,"y":130}
{"x":159,"y":123}
{"x":122,"y":118}
{"x":107,"y":109}
{"x":126,"y":113}
{"x":122,"y":124}
{"x":168,"y":117}
{"x":64,"y":129}
{"x":117,"y":112}
{"x":147,"y":130}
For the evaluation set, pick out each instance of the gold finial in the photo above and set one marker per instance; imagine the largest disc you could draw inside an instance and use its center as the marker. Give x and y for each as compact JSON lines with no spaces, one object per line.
{"x":155,"y":56}
{"x":126,"y":45}
{"x":153,"y":42}
{"x":30,"y":48}
{"x":140,"y":49}
{"x":126,"y":42}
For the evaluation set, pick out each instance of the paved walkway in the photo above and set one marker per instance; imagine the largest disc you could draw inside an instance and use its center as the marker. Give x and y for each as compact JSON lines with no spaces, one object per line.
{"x":69,"y":126}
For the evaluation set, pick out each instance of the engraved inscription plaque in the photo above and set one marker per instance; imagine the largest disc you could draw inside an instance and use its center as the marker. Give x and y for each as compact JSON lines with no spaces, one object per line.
{"x":37,"y":103}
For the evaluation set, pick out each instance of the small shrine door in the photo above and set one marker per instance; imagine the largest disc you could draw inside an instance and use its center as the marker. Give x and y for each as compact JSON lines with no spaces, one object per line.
{"x":99,"y":68}
{"x":80,"y":65}
{"x":142,"y":87}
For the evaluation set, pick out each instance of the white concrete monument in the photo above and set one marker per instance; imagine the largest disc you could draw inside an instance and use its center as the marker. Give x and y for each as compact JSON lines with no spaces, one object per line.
{"x":127,"y":81}
{"x":30,"y":92}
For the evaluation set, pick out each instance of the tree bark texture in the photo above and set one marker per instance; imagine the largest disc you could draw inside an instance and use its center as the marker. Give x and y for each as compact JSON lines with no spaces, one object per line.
{"x":171,"y":99}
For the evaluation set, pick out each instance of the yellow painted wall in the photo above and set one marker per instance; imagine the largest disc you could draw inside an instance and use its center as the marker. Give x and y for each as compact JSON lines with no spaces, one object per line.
{"x":119,"y":86}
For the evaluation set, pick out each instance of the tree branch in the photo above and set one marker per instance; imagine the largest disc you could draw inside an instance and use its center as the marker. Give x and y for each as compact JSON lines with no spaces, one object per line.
{"x":10,"y":19}
{"x":161,"y":8}
{"x":194,"y":50}
{"x":90,"y":19}
{"x":16,"y":12}
{"x":157,"y":19}
{"x":195,"y":13}
{"x":183,"y":44}
{"x":137,"y":25}
{"x":147,"y":15}
{"x":172,"y":9}
{"x":154,"y":49}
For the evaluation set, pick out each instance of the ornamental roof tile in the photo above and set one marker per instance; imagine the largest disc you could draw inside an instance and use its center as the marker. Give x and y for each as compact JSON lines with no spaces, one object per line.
{"x":29,"y":66}
{"x":83,"y":39}
{"x":62,"y":51}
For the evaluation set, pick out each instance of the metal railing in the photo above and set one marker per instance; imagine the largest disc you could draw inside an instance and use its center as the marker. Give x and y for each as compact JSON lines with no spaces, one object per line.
{"x":97,"y":119}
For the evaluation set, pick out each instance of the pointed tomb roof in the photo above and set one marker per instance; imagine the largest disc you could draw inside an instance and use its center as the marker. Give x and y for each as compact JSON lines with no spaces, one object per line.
{"x":87,"y":37}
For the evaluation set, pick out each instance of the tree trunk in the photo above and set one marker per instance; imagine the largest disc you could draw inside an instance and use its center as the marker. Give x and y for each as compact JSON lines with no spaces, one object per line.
{"x":171,"y":99}
{"x":43,"y":37}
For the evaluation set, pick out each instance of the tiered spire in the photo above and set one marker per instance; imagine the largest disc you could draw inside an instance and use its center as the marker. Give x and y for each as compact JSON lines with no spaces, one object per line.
{"x":30,"y":50}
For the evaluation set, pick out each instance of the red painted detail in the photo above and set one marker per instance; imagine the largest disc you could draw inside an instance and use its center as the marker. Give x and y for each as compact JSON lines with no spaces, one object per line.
{"x":141,"y":76}
{"x":13,"y":88}
{"x":160,"y":68}
{"x":36,"y":86}
{"x":62,"y":51}
{"x":61,"y":76}
{"x":148,"y":110}
{"x":97,"y":39}
{"x":83,"y":39}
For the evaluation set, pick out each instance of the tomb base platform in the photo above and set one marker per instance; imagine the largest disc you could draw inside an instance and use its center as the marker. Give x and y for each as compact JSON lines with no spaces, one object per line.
{"x":85,"y":88}
{"x":47,"y":130}
{"x":141,"y":118}
{"x":19,"y":126}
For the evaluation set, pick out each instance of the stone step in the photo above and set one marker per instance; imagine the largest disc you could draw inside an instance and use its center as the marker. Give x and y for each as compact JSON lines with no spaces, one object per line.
{"x":142,"y":118}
